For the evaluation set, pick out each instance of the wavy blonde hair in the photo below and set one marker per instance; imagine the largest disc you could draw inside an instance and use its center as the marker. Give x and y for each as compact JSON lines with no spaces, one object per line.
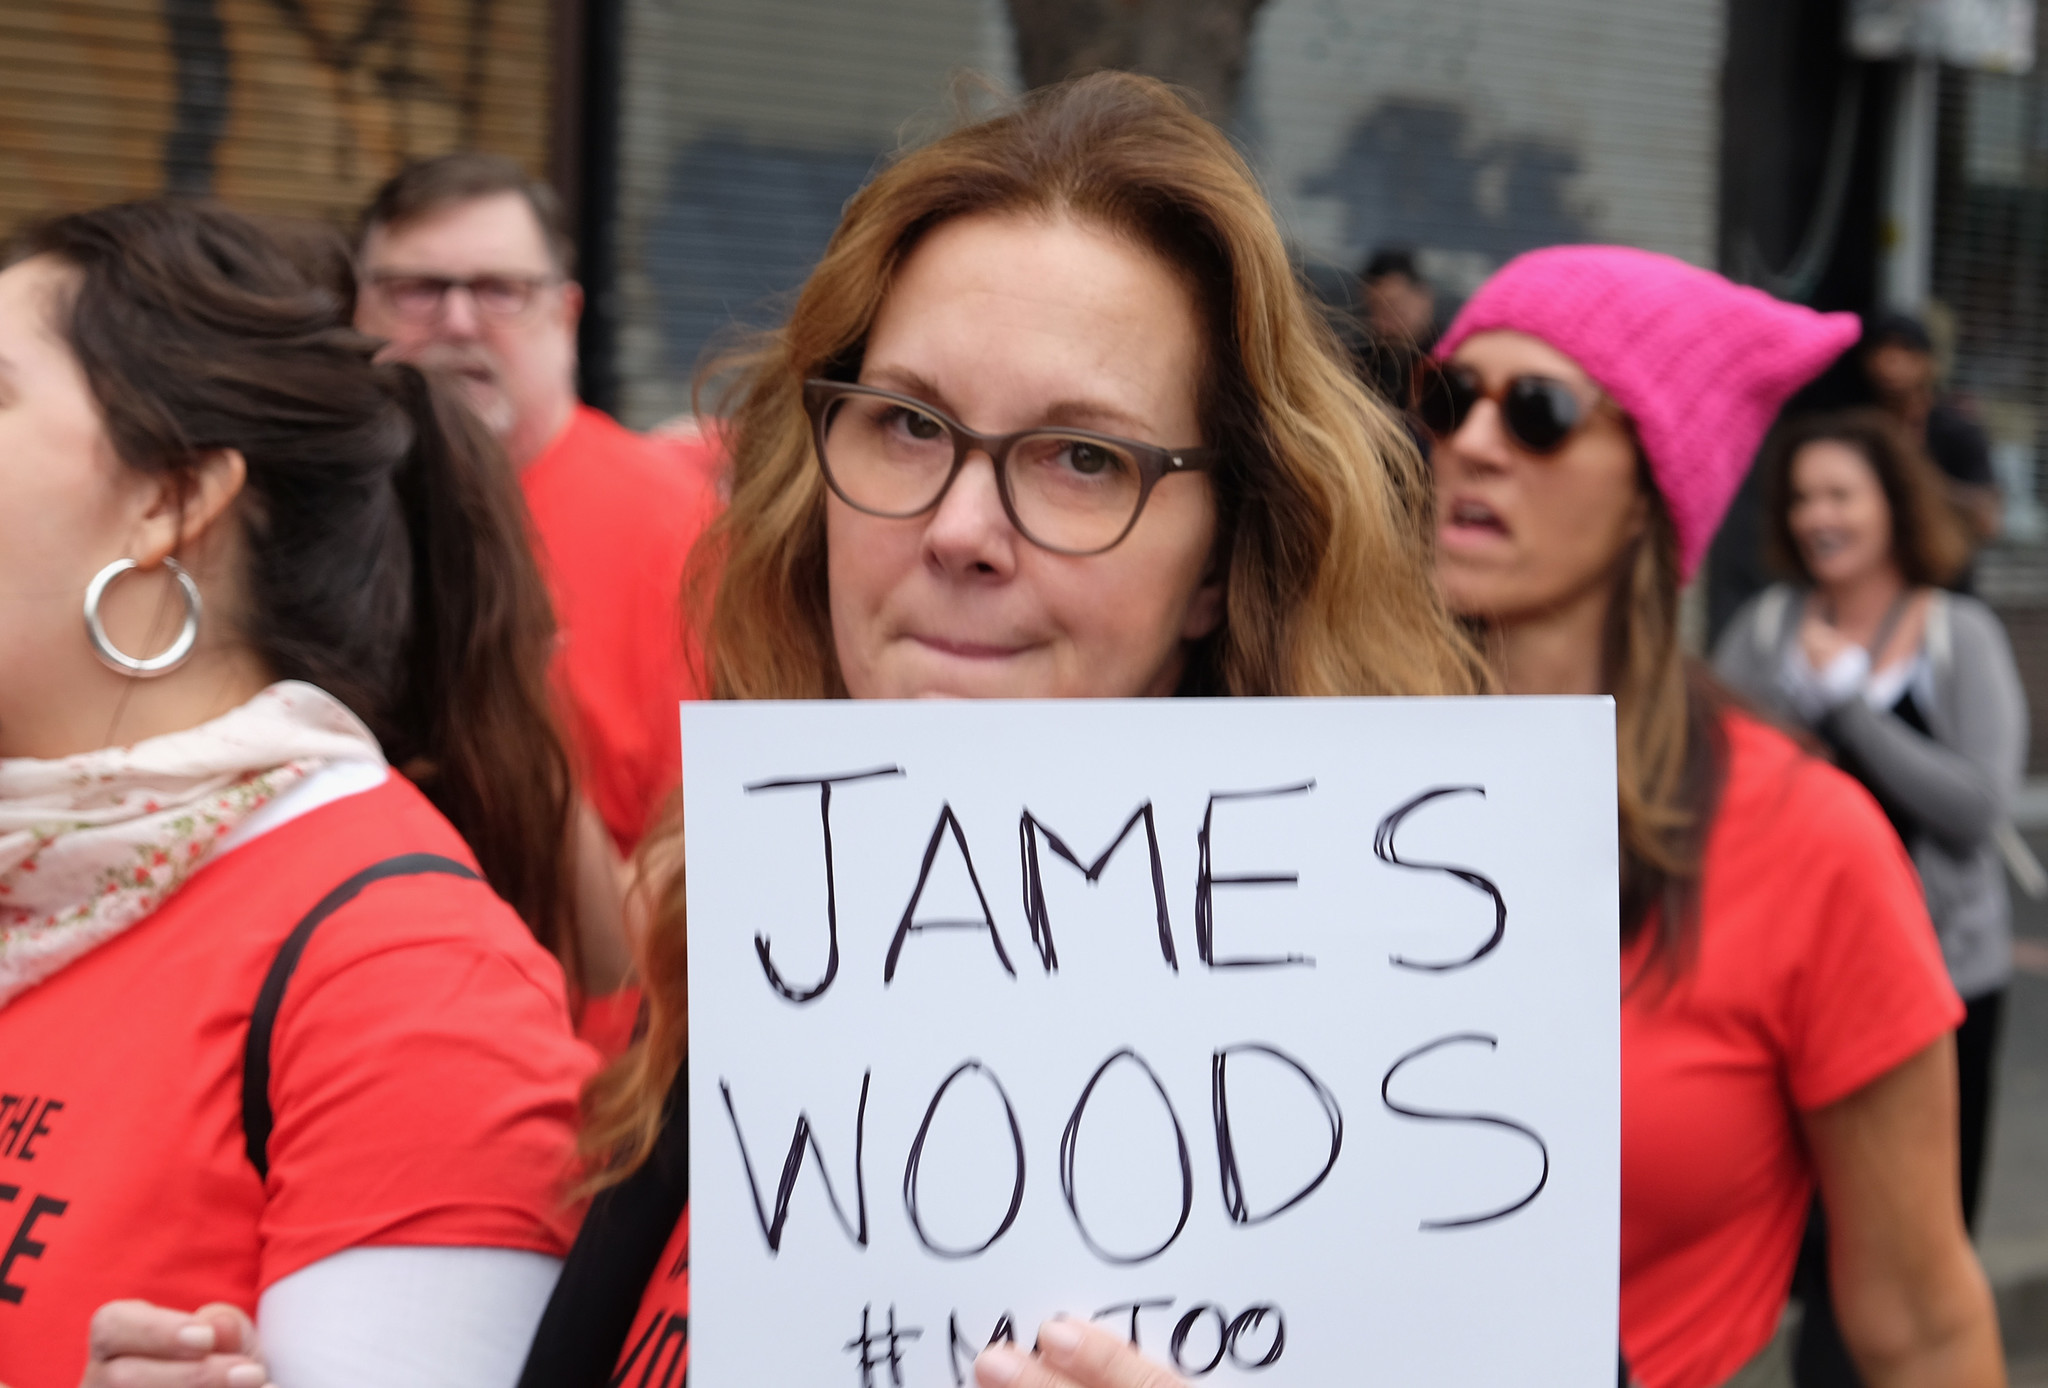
{"x":1322,"y":500}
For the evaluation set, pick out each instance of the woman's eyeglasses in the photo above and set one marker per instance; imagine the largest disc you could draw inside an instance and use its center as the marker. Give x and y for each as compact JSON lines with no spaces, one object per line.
{"x":1540,"y":413}
{"x":1067,"y":490}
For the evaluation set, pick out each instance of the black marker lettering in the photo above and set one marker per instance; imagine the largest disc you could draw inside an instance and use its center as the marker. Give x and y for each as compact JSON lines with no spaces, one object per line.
{"x":1428,"y":1115}
{"x":961,"y":1352}
{"x":1206,"y":881}
{"x":802,"y":1138}
{"x":1028,"y":830}
{"x":824,"y":785}
{"x":1234,"y":1203}
{"x":1251,"y":1318}
{"x":1185,"y":1326}
{"x":865,"y":1345}
{"x":23,"y":1246}
{"x":947,"y":820}
{"x":917,"y":1156}
{"x":1383,"y":849}
{"x":1070,"y":1141}
{"x":1149,"y":1304}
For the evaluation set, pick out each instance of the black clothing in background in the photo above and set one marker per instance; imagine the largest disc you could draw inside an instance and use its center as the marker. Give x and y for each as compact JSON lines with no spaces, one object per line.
{"x":1958,"y":447}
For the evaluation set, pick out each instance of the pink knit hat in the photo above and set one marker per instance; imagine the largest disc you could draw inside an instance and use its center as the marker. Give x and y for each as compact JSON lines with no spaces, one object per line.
{"x":1701,"y":365}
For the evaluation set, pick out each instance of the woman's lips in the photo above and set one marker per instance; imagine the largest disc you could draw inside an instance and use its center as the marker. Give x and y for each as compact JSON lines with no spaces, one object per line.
{"x":1824,"y":544}
{"x":967,"y":650}
{"x":1467,"y":521}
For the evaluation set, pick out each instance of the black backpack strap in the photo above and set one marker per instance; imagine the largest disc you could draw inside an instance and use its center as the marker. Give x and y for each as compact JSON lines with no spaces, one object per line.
{"x":616,"y":1255}
{"x":257,"y":1119}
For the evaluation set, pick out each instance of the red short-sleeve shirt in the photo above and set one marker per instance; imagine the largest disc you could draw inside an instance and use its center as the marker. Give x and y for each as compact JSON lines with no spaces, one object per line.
{"x":424,"y":1084}
{"x":657,"y":1349}
{"x":615,"y":514}
{"x":1816,"y":972}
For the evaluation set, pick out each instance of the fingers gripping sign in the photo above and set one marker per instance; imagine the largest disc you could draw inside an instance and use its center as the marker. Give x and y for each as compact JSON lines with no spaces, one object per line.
{"x":1071,"y":1354}
{"x":137,"y":1345}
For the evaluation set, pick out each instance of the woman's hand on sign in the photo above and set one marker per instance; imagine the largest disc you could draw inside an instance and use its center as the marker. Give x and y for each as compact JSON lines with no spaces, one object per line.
{"x":1072,"y":1354}
{"x":137,"y":1345}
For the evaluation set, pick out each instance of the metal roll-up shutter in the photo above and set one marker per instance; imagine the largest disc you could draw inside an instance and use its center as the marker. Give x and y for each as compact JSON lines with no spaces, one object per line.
{"x":274,"y":106}
{"x":1470,"y":130}
{"x":746,"y":124}
{"x":1989,"y":319}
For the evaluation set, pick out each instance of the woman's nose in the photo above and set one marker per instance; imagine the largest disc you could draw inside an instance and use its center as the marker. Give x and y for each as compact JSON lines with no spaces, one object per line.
{"x":969,"y":531}
{"x":1480,"y":438}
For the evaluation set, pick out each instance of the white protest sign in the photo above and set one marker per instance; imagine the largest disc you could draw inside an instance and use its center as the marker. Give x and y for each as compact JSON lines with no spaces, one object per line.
{"x":1282,"y":1034}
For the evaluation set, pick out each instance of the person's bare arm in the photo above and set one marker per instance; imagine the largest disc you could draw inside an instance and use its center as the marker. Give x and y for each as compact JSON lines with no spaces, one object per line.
{"x":600,"y":898}
{"x":1913,"y":1305}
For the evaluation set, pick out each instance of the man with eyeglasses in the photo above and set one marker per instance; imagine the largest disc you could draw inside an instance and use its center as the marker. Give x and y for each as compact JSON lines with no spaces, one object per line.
{"x":465,"y":267}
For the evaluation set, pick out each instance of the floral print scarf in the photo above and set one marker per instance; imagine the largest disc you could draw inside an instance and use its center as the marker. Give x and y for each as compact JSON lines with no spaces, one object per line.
{"x":91,"y":844}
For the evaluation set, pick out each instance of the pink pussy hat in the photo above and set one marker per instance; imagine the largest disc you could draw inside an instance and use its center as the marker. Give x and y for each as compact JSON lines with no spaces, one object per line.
{"x":1700,"y":364}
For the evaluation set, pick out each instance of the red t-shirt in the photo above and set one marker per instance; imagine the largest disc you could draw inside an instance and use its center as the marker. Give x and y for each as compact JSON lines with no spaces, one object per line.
{"x":657,"y":1352}
{"x":614,"y":514}
{"x":1817,"y":972}
{"x":423,"y":1081}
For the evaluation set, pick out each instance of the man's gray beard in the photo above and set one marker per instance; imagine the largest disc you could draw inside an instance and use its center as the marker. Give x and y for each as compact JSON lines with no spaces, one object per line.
{"x":493,"y":407}
{"x":496,"y":412}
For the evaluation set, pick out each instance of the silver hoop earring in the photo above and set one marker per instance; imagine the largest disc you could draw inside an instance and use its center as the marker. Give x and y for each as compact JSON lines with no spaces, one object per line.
{"x":119,"y":660}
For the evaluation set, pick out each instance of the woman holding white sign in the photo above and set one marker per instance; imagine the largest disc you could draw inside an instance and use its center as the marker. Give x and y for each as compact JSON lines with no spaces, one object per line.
{"x":1786,"y":1020}
{"x":1052,"y":418}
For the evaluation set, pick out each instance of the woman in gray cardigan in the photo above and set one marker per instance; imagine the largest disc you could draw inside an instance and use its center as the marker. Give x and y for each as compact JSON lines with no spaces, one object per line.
{"x":1913,"y":688}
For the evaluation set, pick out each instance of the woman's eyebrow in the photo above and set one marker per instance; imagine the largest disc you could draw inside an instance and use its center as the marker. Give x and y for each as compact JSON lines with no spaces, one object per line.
{"x":1098,"y":415}
{"x":904,"y":381}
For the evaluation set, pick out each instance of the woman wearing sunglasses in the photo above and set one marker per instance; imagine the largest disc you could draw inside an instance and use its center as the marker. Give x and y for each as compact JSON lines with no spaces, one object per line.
{"x":1050,"y":419}
{"x":1785,"y":1015}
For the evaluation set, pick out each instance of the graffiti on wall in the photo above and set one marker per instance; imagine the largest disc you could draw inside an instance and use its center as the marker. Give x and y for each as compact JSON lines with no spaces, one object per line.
{"x":1415,"y":173}
{"x":282,"y":105}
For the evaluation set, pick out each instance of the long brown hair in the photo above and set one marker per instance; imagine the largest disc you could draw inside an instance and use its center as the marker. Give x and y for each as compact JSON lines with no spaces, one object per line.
{"x":1323,"y":547}
{"x":1670,"y":748}
{"x":1326,"y":576}
{"x":387,"y":555}
{"x":1929,"y":542}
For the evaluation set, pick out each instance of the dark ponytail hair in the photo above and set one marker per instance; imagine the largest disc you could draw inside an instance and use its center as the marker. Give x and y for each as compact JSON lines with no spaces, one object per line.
{"x":387,"y":555}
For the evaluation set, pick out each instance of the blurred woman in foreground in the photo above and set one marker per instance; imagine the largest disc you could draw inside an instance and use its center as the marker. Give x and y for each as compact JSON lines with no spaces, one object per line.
{"x":1050,"y":419}
{"x":1785,"y":1015}
{"x":273,"y":726}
